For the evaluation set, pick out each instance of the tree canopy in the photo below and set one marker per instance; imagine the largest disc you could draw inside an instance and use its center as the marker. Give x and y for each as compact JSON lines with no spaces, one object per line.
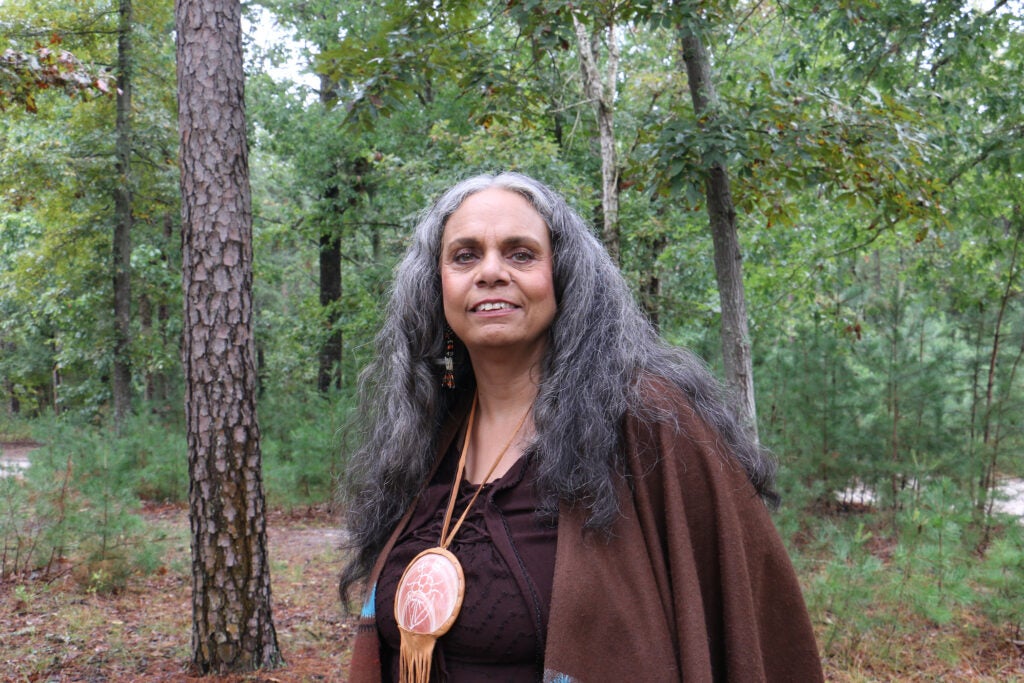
{"x":874,"y":155}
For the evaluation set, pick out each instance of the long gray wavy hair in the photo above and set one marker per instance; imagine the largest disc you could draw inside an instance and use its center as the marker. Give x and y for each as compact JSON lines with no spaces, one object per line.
{"x":600,"y":345}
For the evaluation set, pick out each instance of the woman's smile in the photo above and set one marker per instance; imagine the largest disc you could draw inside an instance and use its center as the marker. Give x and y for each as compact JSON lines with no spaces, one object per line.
{"x":487,"y":306}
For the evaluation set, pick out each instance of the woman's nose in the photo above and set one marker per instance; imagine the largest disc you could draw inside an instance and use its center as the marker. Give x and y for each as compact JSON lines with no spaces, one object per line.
{"x":492,"y":269}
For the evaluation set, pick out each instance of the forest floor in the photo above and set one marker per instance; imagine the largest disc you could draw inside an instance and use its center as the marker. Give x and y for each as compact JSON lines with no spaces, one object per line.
{"x":56,"y":630}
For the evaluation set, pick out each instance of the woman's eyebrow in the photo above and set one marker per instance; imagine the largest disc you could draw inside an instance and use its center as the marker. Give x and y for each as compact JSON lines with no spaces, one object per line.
{"x":510,"y":241}
{"x":517,"y":240}
{"x":461,"y":242}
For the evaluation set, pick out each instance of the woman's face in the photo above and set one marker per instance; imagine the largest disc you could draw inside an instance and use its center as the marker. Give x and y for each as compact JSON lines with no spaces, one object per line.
{"x":496,"y":274}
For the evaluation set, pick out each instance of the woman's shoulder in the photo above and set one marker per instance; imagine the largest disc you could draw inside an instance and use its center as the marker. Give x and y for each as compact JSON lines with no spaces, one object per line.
{"x":668,"y":430}
{"x":686,"y":427}
{"x":661,"y":400}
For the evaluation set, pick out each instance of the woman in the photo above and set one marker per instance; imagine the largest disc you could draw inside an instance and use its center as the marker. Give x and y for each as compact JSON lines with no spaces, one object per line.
{"x":615,"y":524}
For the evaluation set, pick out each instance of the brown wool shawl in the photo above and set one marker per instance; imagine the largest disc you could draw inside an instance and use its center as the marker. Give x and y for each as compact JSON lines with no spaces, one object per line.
{"x":692,"y":583}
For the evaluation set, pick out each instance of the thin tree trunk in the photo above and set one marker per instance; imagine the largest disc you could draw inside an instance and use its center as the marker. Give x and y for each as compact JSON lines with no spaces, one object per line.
{"x":603,"y":97}
{"x":232,"y":628}
{"x":146,"y":332}
{"x":976,"y":368}
{"x":736,"y":352}
{"x":997,"y":437}
{"x":52,"y":395}
{"x":55,"y":382}
{"x":895,"y":409}
{"x":329,"y":373}
{"x":13,"y":404}
{"x":651,"y":288}
{"x":162,"y":382}
{"x":990,"y":468}
{"x":122,"y":247}
{"x":330,"y":295}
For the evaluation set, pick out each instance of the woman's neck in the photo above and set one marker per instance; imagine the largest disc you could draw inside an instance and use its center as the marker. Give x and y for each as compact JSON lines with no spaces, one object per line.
{"x":505,"y":378}
{"x":503,"y":399}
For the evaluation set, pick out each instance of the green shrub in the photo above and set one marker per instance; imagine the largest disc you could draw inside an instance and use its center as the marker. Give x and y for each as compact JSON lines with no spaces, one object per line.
{"x":845,"y":592}
{"x":1000,"y":580}
{"x":932,"y":560}
{"x":14,"y":427}
{"x":156,"y":453}
{"x":19,"y":532}
{"x":303,"y":446}
{"x":75,"y":506}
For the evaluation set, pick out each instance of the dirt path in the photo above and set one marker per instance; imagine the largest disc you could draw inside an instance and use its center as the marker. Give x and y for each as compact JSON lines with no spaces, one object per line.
{"x":14,"y":456}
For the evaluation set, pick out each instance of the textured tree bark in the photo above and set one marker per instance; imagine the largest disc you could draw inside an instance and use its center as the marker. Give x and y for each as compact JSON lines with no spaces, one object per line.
{"x":121,"y":386}
{"x":736,"y":352}
{"x":232,"y":628}
{"x":603,"y":97}
{"x":329,"y":373}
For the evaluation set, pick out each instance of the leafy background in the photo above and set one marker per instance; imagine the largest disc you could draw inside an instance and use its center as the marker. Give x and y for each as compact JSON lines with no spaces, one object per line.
{"x":875,"y":151}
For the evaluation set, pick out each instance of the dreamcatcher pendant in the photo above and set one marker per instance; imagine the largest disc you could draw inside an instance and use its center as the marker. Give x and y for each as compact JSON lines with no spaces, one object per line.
{"x":427,"y":602}
{"x":429,"y":594}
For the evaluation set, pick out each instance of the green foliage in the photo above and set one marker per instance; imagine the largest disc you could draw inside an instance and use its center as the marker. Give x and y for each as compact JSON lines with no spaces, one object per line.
{"x":1001,"y":579}
{"x":933,"y":558}
{"x":845,"y":592}
{"x":154,"y":455}
{"x":23,"y":74}
{"x":14,"y":427}
{"x":57,"y":181}
{"x":75,"y":507}
{"x":19,"y":531}
{"x":303,"y":444}
{"x":872,"y":589}
{"x":391,"y":54}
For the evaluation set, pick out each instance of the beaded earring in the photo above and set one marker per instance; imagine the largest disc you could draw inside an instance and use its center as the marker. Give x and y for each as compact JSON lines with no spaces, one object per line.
{"x":448,"y":380}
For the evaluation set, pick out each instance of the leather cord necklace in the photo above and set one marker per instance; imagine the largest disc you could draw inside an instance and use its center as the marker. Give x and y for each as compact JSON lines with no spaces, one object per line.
{"x":429,"y":594}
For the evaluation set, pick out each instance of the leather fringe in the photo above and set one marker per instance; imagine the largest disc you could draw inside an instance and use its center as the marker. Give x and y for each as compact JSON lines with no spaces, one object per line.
{"x":415,"y":656}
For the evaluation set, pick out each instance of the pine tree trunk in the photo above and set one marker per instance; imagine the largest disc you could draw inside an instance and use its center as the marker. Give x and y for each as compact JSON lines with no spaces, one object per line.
{"x":736,"y":352}
{"x":122,"y":246}
{"x":232,"y":628}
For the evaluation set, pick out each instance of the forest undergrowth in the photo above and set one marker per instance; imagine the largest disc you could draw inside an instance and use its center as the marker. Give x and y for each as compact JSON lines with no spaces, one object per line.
{"x":58,"y":629}
{"x":96,"y":585}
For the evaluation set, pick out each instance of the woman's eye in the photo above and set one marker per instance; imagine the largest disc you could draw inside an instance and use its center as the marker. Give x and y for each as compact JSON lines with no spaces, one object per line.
{"x":522,"y":256}
{"x":463,"y":257}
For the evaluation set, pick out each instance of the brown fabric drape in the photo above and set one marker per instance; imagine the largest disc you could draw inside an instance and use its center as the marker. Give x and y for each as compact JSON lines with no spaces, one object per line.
{"x":691,"y":583}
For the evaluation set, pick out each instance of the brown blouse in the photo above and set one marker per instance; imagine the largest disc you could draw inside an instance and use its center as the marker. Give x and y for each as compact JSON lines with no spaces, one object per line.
{"x":508,"y":557}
